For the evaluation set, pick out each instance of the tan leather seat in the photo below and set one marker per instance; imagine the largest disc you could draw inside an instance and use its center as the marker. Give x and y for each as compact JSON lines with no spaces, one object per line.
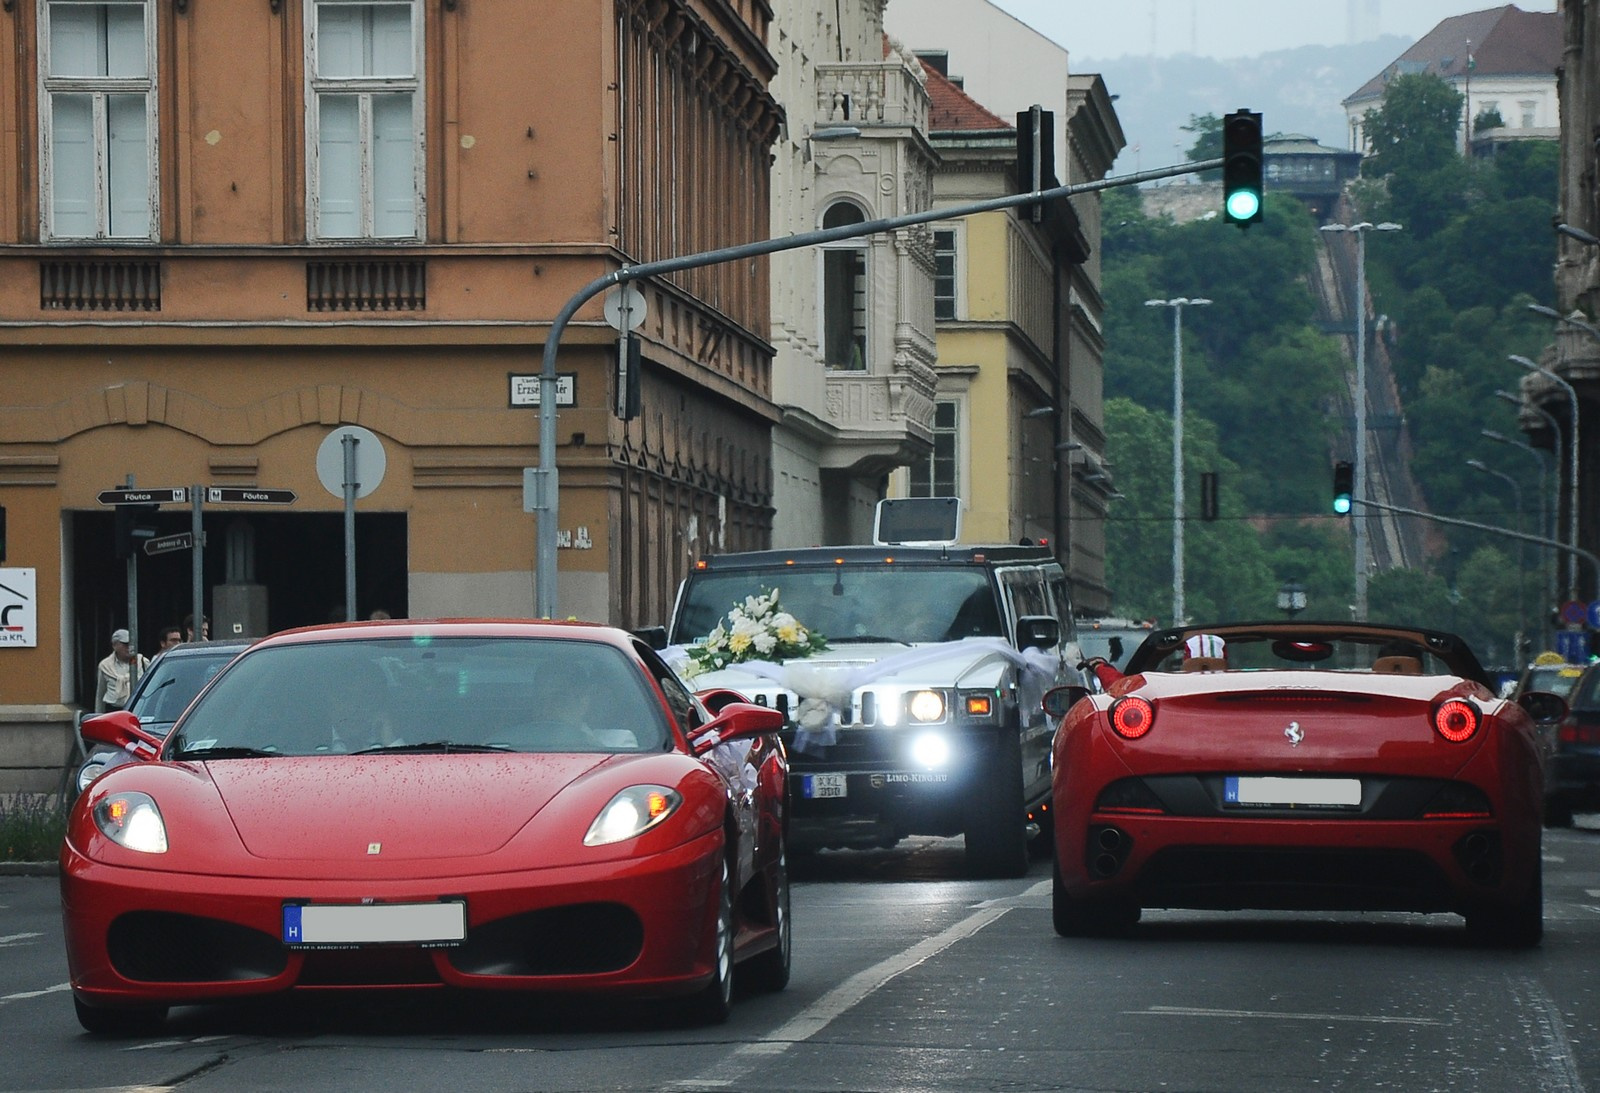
{"x":1398,"y":666}
{"x":1204,"y":664}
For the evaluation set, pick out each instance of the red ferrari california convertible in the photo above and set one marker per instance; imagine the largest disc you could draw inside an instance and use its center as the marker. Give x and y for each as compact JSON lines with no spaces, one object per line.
{"x":1299,"y":766}
{"x":494,"y":805}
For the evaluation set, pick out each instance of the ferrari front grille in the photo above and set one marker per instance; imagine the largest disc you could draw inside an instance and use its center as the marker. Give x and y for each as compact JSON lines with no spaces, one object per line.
{"x":162,"y":947}
{"x":579,"y":939}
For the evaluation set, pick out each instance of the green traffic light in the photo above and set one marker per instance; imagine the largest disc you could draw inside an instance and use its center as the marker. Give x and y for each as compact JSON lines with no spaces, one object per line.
{"x":1243,"y":204}
{"x":1341,"y":505}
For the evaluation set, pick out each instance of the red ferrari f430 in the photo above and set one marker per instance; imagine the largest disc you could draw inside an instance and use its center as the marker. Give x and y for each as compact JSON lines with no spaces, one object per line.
{"x":477,"y":805}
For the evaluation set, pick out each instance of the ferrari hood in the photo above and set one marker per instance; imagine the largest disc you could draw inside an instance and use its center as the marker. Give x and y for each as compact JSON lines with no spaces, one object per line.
{"x":404,"y":807}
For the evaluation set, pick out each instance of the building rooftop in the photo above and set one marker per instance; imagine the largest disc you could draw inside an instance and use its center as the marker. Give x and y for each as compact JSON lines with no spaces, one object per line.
{"x":1503,"y":41}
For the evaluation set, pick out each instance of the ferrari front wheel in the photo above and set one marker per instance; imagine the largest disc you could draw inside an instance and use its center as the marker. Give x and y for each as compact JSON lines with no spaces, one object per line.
{"x":715,"y":1000}
{"x":120,"y":1021}
{"x":1075,"y":917}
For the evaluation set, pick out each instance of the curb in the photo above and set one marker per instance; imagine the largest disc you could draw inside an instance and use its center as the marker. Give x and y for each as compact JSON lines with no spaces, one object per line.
{"x":29,"y":868}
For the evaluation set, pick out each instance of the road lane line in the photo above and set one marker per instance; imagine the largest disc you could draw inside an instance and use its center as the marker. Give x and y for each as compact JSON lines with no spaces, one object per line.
{"x":1558,"y":1070}
{"x":57,"y":989}
{"x":1199,"y":1011}
{"x":9,"y":938}
{"x":817,"y":1016}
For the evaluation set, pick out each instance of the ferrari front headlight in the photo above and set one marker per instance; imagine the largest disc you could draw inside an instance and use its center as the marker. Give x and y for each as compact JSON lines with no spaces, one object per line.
{"x":632,"y":812}
{"x":132,"y":820}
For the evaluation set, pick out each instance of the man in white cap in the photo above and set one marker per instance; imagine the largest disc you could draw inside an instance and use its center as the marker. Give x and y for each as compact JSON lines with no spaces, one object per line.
{"x":117,"y":673}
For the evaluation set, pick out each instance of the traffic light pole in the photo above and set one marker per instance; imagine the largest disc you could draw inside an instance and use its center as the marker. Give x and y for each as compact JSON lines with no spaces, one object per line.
{"x":546,"y":502}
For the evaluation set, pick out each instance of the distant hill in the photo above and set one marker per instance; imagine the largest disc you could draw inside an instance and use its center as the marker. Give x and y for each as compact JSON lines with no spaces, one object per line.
{"x":1297,"y":91}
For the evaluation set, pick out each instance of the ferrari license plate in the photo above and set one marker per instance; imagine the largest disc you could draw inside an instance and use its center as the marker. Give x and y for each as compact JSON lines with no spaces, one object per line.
{"x":323,"y":924}
{"x":1270,"y":791}
{"x":824,"y":785}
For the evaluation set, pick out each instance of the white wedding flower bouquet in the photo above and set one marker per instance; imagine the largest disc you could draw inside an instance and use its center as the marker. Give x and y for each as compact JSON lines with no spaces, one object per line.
{"x":757,"y":629}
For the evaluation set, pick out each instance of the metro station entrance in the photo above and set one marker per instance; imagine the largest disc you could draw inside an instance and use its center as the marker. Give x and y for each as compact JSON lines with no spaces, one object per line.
{"x":296,"y":559}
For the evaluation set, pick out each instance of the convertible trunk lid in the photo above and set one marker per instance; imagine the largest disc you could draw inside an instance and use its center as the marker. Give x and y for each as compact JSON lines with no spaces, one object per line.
{"x":1299,"y":722}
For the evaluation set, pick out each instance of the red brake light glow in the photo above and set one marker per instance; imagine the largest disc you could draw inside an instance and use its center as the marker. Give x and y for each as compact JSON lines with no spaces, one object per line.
{"x":1456,"y":720}
{"x":1131,"y":717}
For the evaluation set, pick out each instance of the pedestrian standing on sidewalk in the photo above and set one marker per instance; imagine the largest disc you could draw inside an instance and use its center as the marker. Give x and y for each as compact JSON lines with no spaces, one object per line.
{"x":117,"y":673}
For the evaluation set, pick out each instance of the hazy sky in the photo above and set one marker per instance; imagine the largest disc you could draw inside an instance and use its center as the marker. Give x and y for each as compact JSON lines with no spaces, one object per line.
{"x":1107,"y":29}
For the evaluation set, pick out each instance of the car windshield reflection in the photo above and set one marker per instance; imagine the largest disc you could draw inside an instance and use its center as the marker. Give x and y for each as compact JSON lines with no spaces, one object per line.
{"x":426,"y":695}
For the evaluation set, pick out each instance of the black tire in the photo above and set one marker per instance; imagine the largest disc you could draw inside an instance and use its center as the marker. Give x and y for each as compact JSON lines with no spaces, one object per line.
{"x":120,"y":1021}
{"x":769,"y":970}
{"x":1074,"y":917}
{"x":996,"y":824}
{"x":1515,"y":926}
{"x":715,"y":1001}
{"x":1557,"y":811}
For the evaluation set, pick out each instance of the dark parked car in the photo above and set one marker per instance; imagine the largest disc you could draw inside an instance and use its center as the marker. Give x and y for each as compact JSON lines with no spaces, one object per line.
{"x":162,"y":693}
{"x":1572,"y":777}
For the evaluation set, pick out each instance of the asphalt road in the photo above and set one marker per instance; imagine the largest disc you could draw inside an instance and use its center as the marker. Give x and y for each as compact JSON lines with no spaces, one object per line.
{"x":909,"y":977}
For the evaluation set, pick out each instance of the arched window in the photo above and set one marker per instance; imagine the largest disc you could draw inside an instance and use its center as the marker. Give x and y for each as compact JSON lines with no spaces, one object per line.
{"x":844,"y":293}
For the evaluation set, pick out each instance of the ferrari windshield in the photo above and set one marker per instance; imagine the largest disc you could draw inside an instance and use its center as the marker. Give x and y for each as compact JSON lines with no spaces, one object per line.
{"x":426,"y":694}
{"x":901,"y":602}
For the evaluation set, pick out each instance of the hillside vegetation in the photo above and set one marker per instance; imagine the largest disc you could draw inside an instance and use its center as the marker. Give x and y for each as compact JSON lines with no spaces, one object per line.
{"x":1264,"y":403}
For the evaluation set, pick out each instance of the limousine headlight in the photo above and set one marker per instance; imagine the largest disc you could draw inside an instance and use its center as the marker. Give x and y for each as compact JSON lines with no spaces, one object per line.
{"x":925,"y":706}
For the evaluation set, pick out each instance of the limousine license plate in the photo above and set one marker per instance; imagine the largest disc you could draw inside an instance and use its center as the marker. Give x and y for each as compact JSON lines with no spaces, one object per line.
{"x":824,"y":785}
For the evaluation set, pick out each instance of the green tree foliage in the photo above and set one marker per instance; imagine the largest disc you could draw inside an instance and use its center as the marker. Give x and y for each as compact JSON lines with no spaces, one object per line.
{"x":1207,"y":131}
{"x":1414,"y":131}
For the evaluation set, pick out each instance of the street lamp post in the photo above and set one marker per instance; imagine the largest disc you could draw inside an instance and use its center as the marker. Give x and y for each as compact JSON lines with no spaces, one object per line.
{"x":1360,"y":492}
{"x":1516,"y":492}
{"x":1572,"y":467}
{"x":1177,"y":304}
{"x":1555,"y":490}
{"x":1547,"y":513}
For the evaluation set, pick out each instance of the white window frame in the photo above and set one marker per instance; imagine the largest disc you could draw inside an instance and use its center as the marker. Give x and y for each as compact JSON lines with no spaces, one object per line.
{"x":98,"y":89}
{"x":955,"y":434}
{"x":365,"y":88}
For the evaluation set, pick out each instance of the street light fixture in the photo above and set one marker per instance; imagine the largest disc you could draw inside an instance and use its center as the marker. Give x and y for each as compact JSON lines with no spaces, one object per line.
{"x":1177,"y":304}
{"x":1572,"y":467}
{"x":1291,"y":597}
{"x":1571,"y":320}
{"x":1359,"y":521}
{"x":1588,"y":238}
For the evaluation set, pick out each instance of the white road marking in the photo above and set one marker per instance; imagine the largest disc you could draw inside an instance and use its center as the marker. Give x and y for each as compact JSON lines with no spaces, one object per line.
{"x":1275,"y":1015}
{"x":817,"y":1016}
{"x":57,"y":989}
{"x":1558,"y":1070}
{"x":9,"y":938}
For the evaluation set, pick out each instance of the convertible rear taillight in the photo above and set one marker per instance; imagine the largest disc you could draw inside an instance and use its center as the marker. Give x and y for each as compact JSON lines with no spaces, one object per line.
{"x":1131,"y":717}
{"x":1456,"y":719}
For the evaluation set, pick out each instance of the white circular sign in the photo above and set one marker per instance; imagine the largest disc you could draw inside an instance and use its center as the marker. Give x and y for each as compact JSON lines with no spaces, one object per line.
{"x":371,"y":461}
{"x":626,"y":294}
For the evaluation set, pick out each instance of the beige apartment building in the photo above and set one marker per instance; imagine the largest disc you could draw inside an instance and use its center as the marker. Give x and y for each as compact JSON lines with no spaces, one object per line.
{"x":233,"y":233}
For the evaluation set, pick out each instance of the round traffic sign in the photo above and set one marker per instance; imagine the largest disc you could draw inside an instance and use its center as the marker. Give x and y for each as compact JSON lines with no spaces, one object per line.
{"x":371,"y":461}
{"x":1575,"y":612}
{"x":625,"y":297}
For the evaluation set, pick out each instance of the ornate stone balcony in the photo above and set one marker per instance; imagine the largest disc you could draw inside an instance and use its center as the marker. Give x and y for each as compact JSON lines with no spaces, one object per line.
{"x":886,"y":93}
